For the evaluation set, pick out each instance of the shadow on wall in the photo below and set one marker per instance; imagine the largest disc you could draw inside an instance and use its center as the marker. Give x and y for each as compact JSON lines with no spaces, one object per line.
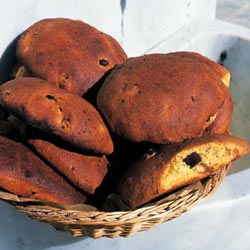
{"x":17,"y":231}
{"x":8,"y":60}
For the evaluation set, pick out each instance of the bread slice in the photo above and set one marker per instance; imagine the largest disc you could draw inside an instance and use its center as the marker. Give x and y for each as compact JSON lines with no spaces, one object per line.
{"x":178,"y":165}
{"x":24,"y":174}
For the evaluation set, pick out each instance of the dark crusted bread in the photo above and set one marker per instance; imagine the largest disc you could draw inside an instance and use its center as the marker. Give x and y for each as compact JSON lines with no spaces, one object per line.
{"x":218,"y":69}
{"x":178,"y":165}
{"x":84,"y":171}
{"x":23,"y":173}
{"x":163,"y":98}
{"x":223,"y":118}
{"x":71,"y":54}
{"x":56,"y":111}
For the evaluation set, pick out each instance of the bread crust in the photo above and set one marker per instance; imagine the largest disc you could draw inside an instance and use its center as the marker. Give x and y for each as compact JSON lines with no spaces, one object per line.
{"x":178,"y":165}
{"x":53,"y":110}
{"x":84,"y":171}
{"x":68,"y":53}
{"x":162,"y":98}
{"x":223,"y":118}
{"x":23,"y":173}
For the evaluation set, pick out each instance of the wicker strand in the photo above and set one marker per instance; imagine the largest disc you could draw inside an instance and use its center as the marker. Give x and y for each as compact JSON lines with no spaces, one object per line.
{"x":113,"y":224}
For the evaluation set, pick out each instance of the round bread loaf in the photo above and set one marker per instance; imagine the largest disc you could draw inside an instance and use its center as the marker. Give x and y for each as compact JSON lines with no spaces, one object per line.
{"x":53,"y":110}
{"x":23,"y":173}
{"x":71,"y":54}
{"x":163,"y":98}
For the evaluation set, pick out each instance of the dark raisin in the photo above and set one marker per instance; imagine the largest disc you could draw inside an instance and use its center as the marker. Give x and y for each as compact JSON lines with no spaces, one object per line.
{"x":192,"y":160}
{"x":51,"y":97}
{"x":103,"y":62}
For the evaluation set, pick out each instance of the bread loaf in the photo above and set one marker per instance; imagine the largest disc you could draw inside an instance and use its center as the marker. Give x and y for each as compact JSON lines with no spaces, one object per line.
{"x":56,"y":111}
{"x":163,"y":98}
{"x":24,"y":174}
{"x":178,"y":165}
{"x":68,"y":53}
{"x":84,"y":171}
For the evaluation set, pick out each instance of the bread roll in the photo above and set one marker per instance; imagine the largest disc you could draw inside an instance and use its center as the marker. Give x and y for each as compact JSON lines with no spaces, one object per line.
{"x":56,"y":111}
{"x":162,"y":98}
{"x":84,"y":171}
{"x":178,"y":165}
{"x":68,"y":53}
{"x":23,"y":173}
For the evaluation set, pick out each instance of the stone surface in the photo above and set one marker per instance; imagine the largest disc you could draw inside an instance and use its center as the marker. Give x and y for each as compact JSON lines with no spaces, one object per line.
{"x":235,"y":11}
{"x":136,"y":25}
{"x":143,"y":29}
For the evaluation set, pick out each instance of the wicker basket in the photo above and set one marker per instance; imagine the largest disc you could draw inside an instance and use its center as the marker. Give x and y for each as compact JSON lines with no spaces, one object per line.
{"x":113,"y":224}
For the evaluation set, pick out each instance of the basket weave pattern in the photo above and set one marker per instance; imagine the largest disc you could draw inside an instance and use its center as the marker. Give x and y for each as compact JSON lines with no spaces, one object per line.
{"x":113,"y":224}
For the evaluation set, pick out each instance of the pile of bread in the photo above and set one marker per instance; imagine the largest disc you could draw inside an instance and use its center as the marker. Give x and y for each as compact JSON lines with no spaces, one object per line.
{"x":154,"y":123}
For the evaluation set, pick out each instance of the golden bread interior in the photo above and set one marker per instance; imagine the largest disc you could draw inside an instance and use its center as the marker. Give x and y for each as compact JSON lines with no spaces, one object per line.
{"x":226,"y":79}
{"x":196,"y":163}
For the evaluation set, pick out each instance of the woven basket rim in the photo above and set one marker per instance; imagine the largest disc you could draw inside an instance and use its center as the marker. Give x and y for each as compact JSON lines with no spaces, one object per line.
{"x":105,"y":224}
